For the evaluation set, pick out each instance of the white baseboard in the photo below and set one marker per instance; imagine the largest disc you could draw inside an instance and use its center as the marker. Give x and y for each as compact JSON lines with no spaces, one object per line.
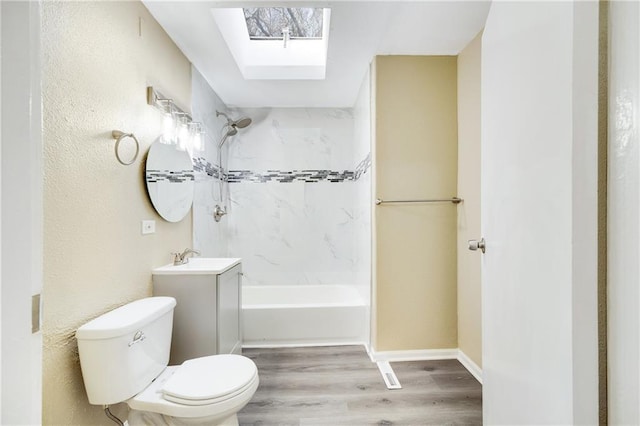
{"x":413,"y":355}
{"x":276,"y":344}
{"x":428,"y":355}
{"x":468,"y":363}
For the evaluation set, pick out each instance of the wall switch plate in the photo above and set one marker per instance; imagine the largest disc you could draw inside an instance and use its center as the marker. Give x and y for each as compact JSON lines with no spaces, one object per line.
{"x":148,"y":227}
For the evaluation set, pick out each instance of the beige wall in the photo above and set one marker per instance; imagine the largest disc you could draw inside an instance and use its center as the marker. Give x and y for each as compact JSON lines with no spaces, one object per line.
{"x":415,"y":156}
{"x":469,"y":290}
{"x":96,"y":66}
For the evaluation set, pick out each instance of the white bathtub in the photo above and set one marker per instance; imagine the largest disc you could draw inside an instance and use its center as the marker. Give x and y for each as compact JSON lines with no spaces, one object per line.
{"x":288,"y":315}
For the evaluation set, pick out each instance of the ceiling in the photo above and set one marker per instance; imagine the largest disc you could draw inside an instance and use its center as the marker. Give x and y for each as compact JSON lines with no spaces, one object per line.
{"x":359,"y":31}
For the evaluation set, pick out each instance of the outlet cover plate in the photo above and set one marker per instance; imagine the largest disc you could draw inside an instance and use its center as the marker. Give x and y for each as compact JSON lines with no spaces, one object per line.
{"x":148,"y":227}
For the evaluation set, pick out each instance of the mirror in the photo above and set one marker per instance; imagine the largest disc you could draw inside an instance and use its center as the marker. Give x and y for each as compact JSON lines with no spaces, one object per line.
{"x":170,"y":181}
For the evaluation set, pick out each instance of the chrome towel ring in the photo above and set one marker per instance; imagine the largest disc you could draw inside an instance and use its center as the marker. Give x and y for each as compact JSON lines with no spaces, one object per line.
{"x":119,"y":136}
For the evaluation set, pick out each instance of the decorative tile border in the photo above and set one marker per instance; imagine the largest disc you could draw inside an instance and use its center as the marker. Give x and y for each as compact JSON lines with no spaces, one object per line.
{"x":309,"y":176}
{"x":201,"y":165}
{"x":168,"y":176}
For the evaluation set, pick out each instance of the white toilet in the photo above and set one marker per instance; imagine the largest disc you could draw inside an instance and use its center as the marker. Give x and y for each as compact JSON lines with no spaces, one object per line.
{"x":124,"y":355}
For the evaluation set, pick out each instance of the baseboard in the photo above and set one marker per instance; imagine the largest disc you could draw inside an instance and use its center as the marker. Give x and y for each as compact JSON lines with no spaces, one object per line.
{"x":428,"y":355}
{"x":413,"y":355}
{"x":265,"y":345}
{"x":471,"y":366}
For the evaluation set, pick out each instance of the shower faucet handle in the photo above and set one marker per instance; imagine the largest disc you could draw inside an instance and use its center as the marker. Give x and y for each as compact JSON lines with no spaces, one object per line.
{"x":218,"y":212}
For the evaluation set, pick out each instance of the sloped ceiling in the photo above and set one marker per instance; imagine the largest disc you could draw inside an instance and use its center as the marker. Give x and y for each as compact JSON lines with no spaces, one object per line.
{"x":359,"y":31}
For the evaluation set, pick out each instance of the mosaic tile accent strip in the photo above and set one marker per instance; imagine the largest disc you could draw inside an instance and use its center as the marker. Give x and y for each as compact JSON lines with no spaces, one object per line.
{"x":309,"y":176}
{"x":169,"y":176}
{"x":201,"y":165}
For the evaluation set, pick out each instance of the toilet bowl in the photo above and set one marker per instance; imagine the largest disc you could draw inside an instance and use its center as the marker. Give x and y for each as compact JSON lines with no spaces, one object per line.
{"x":208,"y":390}
{"x":124,"y":355}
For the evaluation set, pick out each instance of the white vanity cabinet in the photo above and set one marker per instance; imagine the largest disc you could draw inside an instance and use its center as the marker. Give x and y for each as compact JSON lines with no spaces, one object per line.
{"x":208,"y":316}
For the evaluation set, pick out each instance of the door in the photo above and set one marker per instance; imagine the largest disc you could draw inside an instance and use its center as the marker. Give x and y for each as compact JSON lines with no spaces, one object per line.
{"x":538,"y":185}
{"x":22,"y":213}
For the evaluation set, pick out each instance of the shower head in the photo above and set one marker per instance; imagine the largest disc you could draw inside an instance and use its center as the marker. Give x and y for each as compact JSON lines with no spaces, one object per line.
{"x":241,"y":123}
{"x":232,"y":126}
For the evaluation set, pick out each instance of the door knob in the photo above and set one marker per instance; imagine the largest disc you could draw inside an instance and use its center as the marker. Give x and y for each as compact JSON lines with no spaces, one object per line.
{"x":475,"y":245}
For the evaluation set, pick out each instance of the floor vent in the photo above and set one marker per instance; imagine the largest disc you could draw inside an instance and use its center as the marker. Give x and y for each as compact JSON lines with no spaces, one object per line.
{"x":389,"y":377}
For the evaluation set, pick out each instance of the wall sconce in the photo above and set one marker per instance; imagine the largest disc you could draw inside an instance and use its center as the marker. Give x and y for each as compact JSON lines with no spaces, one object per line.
{"x":197,"y":142}
{"x":183,"y":140}
{"x":178,"y":128}
{"x":168,"y":121}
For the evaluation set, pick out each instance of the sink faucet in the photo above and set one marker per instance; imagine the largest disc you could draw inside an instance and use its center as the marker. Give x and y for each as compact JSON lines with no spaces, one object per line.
{"x":181,"y":258}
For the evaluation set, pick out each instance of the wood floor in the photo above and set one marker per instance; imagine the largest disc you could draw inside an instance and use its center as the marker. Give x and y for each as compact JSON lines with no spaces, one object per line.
{"x":339,"y":385}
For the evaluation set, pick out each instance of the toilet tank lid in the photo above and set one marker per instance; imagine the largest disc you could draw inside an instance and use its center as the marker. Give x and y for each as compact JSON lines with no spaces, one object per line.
{"x":126,"y":319}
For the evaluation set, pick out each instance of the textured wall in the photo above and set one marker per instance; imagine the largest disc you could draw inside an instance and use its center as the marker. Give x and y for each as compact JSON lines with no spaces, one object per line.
{"x":98,"y":58}
{"x":415,"y":157}
{"x":469,"y":290}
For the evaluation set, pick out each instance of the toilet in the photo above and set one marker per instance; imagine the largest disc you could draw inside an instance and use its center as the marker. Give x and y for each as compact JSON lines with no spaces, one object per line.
{"x":124,"y":357}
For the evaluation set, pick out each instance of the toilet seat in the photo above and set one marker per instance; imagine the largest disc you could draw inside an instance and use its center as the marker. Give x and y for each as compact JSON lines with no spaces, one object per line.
{"x":208,"y":380}
{"x":193,"y":395}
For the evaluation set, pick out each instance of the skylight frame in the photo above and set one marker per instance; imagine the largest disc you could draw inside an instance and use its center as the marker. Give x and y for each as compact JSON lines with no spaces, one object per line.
{"x":307,"y":16}
{"x":271,"y":59}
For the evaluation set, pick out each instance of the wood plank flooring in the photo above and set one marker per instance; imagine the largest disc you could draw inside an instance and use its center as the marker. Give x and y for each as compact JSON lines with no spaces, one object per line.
{"x":339,"y":385}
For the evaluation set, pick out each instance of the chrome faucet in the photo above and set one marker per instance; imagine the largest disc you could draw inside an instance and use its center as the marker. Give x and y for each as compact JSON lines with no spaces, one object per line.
{"x":181,"y":258}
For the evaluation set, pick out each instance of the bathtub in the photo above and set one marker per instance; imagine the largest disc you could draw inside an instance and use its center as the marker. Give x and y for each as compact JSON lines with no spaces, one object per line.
{"x":301,"y":315}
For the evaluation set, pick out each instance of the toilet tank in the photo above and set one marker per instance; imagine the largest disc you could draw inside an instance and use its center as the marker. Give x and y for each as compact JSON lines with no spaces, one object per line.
{"x":124,"y":350}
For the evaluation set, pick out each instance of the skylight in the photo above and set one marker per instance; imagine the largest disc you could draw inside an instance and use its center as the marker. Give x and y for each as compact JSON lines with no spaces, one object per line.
{"x":269,"y":23}
{"x":276,"y":43}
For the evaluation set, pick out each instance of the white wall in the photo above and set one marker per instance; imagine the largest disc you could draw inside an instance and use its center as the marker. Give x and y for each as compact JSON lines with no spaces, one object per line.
{"x":623,"y":213}
{"x":22,"y":212}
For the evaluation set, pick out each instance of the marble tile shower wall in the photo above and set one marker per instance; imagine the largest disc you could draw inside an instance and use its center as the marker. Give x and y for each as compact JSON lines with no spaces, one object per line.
{"x":293,"y":184}
{"x":363,"y":198}
{"x":209,"y":236}
{"x":297,"y":186}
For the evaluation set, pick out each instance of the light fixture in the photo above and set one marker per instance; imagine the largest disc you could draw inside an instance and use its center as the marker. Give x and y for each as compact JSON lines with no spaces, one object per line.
{"x":182,"y":132}
{"x":168,"y":122}
{"x":178,"y":128}
{"x":195,"y":130}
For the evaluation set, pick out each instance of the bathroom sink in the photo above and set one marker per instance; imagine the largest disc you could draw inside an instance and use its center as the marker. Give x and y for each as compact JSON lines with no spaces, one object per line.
{"x":199,"y":265}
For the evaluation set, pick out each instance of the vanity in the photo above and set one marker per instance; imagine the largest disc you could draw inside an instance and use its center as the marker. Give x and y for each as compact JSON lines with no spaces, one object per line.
{"x":208,"y":315}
